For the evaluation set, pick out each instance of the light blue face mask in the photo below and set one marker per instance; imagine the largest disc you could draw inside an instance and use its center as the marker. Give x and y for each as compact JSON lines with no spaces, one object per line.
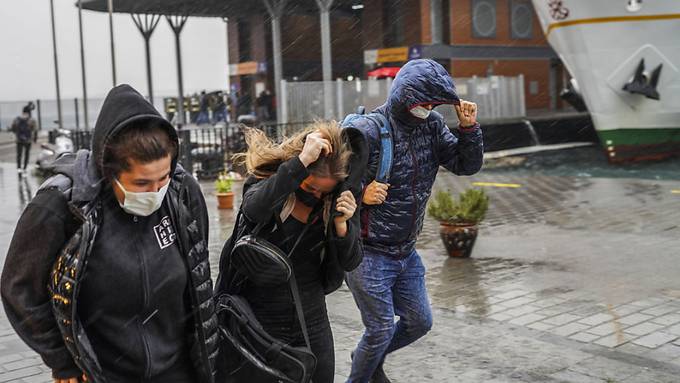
{"x":420,"y":112}
{"x":142,"y":204}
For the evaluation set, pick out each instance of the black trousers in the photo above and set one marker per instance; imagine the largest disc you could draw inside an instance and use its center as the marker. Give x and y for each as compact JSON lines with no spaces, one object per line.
{"x":25,"y":149}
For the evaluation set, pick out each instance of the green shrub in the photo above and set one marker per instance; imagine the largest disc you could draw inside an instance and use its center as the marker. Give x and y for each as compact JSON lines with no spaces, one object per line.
{"x":223,"y":184}
{"x":471,"y":207}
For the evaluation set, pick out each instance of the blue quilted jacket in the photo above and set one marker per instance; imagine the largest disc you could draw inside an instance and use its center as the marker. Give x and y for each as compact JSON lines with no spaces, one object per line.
{"x":420,"y":147}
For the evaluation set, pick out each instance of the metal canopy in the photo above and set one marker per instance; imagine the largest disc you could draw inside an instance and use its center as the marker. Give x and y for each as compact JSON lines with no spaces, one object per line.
{"x":209,"y":8}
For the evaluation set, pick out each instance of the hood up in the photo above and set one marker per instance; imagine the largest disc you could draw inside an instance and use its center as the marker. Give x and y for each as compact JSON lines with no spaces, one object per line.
{"x":122,"y":106}
{"x":419,"y":82}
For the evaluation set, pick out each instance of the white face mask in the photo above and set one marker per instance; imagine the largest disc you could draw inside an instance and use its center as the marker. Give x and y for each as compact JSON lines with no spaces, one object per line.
{"x":142,"y":204}
{"x":420,"y":112}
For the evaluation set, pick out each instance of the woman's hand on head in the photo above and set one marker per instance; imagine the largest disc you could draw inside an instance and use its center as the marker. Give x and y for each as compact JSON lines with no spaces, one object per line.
{"x":316,"y":145}
{"x":347,"y":206}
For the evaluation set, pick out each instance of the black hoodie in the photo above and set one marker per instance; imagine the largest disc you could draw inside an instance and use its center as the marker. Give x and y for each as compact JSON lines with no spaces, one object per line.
{"x":133,"y":299}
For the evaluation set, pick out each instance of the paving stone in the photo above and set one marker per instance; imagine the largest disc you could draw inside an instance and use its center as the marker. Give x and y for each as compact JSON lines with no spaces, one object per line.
{"x":635,"y":319}
{"x":675,"y":330}
{"x":584,"y":337}
{"x":19,"y":374}
{"x":570,"y":376}
{"x":500,"y":317}
{"x":655,"y":339}
{"x":660,"y":310}
{"x":561,"y":319}
{"x":644,"y":328}
{"x":625,"y":310}
{"x":21,"y":364}
{"x":569,"y":329}
{"x":614,"y":340}
{"x":596,"y":319}
{"x":512,"y":294}
{"x":605,"y":368}
{"x":540,"y":326}
{"x":527,"y":319}
{"x":604,"y":329}
{"x":668,"y":319}
{"x":520,"y":311}
{"x":517,"y":302}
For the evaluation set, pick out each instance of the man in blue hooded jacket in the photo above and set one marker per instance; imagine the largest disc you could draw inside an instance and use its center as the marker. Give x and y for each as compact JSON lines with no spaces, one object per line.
{"x":391,"y":279}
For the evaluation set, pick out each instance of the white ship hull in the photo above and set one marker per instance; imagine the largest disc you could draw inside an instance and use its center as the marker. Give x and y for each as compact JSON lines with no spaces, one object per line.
{"x":602,"y":43}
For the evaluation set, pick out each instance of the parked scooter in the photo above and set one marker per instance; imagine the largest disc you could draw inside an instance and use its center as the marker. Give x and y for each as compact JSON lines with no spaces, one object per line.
{"x":63,"y":143}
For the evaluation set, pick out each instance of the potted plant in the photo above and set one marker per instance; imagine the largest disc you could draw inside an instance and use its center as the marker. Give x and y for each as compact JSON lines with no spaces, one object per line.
{"x":459,"y":219}
{"x":225,"y":197}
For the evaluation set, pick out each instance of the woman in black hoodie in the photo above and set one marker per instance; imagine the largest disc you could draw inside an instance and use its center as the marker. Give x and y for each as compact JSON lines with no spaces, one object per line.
{"x":317,"y":171}
{"x":138,"y":306}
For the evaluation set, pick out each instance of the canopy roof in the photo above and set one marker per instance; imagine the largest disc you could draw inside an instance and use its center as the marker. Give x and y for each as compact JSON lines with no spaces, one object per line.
{"x":210,"y":8}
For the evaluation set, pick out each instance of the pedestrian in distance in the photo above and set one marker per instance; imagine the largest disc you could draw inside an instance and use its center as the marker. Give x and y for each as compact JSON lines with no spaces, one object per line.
{"x":26,"y":132}
{"x":391,"y":278}
{"x":107,"y":275}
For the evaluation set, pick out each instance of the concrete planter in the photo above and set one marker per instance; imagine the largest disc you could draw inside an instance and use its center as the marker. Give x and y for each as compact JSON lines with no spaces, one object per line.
{"x":225,"y":200}
{"x":458,"y":238}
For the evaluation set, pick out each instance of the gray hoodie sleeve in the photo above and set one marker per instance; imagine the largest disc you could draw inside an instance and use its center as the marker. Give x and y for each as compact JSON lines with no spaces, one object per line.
{"x":40,"y":234}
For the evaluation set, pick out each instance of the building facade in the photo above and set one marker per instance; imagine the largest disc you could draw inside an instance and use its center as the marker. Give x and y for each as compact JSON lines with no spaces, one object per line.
{"x":468,"y":37}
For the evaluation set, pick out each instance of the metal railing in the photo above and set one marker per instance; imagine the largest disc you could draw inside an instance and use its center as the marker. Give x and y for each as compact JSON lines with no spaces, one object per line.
{"x":498,"y":97}
{"x":208,"y":150}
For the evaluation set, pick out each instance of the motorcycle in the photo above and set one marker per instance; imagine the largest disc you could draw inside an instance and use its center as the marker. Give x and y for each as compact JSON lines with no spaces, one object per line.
{"x":63,"y":143}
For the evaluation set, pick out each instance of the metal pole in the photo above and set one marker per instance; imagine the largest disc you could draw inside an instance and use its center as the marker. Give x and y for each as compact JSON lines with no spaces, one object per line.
{"x":75,"y":103}
{"x":177,"y":24}
{"x":275,"y":12}
{"x":113,"y":49}
{"x":148,"y":68}
{"x":326,"y":63}
{"x":436,"y":21}
{"x":82,"y":64}
{"x":56,"y":65}
{"x":226,"y":35}
{"x":39,"y":114}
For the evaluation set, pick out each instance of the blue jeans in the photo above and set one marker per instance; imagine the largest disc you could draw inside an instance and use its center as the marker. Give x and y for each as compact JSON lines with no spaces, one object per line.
{"x":384,"y":287}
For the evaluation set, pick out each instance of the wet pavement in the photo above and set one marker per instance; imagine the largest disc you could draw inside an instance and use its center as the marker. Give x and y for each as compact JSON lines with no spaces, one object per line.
{"x":573,"y":279}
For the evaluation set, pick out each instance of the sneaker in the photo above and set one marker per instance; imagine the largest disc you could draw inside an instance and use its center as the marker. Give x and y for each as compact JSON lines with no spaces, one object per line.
{"x":379,"y":375}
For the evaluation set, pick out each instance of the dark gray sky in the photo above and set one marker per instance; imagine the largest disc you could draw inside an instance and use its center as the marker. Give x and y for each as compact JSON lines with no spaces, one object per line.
{"x":26,"y":58}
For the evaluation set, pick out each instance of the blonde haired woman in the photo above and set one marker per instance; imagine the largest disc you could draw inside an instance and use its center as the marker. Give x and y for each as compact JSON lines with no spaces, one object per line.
{"x":314,"y":177}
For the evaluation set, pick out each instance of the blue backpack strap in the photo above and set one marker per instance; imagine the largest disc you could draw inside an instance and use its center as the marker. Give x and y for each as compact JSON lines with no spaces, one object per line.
{"x":386,"y":148}
{"x":385,"y":135}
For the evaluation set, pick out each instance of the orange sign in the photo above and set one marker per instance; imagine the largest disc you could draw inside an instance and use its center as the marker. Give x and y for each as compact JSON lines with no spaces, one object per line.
{"x":244,"y":68}
{"x":387,"y":55}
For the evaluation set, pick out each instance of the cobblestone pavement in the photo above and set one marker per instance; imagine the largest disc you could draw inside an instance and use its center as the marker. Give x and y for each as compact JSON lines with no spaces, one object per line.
{"x":571,"y":280}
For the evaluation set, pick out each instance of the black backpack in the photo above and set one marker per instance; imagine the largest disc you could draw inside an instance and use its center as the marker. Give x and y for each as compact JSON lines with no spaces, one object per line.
{"x":23,"y":130}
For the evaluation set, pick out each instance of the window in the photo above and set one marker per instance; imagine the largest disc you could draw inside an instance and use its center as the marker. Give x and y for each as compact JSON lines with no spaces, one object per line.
{"x":244,"y":43}
{"x":394,"y":24}
{"x":484,"y":18}
{"x":521,"y":19}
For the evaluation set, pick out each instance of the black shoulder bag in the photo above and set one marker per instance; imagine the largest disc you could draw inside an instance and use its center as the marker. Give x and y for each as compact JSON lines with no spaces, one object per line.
{"x":245,"y":340}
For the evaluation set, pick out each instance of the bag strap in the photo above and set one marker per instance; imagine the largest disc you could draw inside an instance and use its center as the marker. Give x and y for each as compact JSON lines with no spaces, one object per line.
{"x":293,"y":281}
{"x":386,"y":151}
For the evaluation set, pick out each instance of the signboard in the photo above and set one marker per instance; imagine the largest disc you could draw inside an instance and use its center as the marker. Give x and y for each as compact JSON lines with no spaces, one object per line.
{"x":387,"y":55}
{"x":246,"y":68}
{"x":415,"y":52}
{"x":370,"y":56}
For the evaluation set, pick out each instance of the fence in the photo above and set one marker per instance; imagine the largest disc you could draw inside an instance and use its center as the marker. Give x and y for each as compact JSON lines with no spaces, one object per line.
{"x":497,"y":96}
{"x":207,"y":151}
{"x":47,"y":116}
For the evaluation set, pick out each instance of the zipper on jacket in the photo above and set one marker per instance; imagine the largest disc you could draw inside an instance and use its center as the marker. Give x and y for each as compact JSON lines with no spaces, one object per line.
{"x":413,"y":187}
{"x":145,"y":305}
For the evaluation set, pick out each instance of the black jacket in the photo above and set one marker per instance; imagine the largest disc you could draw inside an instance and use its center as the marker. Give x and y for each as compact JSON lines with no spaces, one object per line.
{"x":263,"y":198}
{"x":53,"y":214}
